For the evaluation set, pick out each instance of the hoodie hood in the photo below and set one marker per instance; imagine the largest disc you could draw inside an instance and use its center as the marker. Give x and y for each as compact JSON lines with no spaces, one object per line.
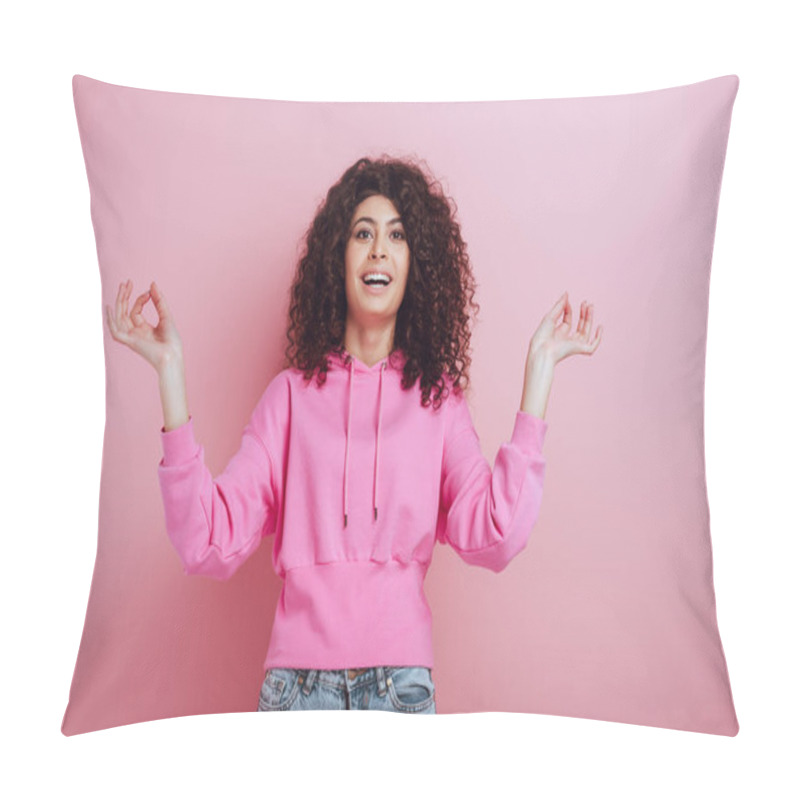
{"x":342,"y":360}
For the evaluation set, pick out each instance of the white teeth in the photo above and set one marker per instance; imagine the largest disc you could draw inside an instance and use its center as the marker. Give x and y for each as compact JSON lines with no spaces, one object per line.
{"x":377,"y":276}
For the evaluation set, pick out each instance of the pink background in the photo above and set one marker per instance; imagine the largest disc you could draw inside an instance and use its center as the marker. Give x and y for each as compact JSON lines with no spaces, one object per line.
{"x":609,"y":612}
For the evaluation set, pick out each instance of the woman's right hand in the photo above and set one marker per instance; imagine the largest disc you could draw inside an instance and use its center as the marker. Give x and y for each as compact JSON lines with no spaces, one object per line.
{"x":159,"y":345}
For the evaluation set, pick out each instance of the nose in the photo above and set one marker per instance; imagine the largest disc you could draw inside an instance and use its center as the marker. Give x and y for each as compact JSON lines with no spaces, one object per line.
{"x":377,"y":248}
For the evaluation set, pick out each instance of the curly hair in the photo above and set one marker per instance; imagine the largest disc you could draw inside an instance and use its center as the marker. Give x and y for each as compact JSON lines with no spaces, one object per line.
{"x":433,"y":321}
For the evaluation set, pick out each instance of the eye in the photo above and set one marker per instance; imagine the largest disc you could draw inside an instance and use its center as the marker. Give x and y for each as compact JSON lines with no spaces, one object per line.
{"x":400,"y":234}
{"x":358,"y":233}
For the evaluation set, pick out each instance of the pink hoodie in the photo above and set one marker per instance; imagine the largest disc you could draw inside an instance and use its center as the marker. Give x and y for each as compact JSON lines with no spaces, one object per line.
{"x":356,"y":480}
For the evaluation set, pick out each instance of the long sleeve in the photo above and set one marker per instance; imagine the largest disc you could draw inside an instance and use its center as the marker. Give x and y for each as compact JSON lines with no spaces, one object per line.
{"x":487,"y":514}
{"x":215,"y":525}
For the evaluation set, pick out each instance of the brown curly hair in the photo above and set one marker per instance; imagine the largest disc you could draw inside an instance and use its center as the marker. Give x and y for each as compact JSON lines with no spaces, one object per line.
{"x":433,"y":321}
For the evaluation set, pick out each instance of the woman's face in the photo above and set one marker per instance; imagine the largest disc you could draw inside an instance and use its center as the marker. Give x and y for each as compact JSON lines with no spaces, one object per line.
{"x":376,"y":246}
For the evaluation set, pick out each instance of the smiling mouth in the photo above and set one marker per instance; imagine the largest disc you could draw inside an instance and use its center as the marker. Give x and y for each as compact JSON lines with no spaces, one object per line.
{"x":376,"y":281}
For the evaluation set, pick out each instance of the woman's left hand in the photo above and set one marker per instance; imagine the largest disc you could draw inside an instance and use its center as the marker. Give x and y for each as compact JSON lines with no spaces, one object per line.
{"x":554,"y":339}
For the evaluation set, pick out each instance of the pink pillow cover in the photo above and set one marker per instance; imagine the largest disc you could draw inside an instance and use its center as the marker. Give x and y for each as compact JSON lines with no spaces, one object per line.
{"x":609,"y":612}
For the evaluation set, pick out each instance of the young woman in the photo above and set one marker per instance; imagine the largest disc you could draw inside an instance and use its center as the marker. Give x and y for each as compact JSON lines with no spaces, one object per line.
{"x":358,"y":473}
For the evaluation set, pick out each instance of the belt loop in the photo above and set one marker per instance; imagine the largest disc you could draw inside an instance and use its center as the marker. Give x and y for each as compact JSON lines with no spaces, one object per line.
{"x":381,"y":681}
{"x":307,"y":679}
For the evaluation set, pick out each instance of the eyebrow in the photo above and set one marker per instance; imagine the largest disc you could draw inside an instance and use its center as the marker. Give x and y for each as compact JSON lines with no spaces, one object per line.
{"x":369,"y":219}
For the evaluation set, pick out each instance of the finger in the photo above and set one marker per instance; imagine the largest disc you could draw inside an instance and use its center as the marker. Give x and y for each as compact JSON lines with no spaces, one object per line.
{"x":587,"y":330}
{"x":121,"y":319}
{"x":136,"y":311}
{"x":160,"y":303}
{"x":126,"y":296}
{"x":567,"y":314}
{"x":581,"y":329}
{"x":118,"y":303}
{"x":116,"y":333}
{"x":592,"y":346}
{"x":558,"y":309}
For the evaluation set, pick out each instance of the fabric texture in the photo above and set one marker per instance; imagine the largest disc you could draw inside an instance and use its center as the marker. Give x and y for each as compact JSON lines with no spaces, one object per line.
{"x":606,"y":603}
{"x":353,"y":582}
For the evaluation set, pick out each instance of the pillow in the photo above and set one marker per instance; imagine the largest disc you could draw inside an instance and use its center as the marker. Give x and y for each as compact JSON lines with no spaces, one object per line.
{"x":609,"y":611}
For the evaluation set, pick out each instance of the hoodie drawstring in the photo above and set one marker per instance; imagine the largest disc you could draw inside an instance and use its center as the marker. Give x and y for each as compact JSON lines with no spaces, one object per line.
{"x":347,"y":441}
{"x":377,"y":439}
{"x":378,"y":443}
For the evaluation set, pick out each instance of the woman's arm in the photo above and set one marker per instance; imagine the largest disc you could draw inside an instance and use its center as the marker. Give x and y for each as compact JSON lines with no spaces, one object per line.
{"x":172,"y":385}
{"x":215,"y":524}
{"x":159,"y":345}
{"x":486,"y":513}
{"x":536,"y":389}
{"x":552,"y":342}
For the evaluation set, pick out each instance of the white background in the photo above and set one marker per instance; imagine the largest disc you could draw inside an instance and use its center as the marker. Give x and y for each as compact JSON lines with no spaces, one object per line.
{"x":53,"y":385}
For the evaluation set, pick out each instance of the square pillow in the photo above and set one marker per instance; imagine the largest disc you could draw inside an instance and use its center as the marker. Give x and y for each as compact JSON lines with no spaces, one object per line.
{"x":608,"y":611}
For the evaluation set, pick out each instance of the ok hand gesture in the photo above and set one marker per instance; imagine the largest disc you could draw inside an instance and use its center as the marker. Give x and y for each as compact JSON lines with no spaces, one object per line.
{"x":554,"y":339}
{"x":158,"y":345}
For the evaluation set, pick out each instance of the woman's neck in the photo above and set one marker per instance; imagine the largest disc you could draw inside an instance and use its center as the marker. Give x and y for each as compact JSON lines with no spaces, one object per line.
{"x":369,"y":347}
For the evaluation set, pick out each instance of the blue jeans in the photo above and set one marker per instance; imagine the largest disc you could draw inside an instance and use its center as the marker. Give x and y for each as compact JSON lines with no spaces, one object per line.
{"x":409,"y":690}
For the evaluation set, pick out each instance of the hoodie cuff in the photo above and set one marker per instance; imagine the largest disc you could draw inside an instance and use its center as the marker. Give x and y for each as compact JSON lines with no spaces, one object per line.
{"x":179,"y":444}
{"x":529,"y":432}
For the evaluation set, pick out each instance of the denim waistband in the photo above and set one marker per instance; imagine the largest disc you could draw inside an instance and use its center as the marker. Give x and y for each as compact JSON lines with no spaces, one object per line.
{"x":341,"y":678}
